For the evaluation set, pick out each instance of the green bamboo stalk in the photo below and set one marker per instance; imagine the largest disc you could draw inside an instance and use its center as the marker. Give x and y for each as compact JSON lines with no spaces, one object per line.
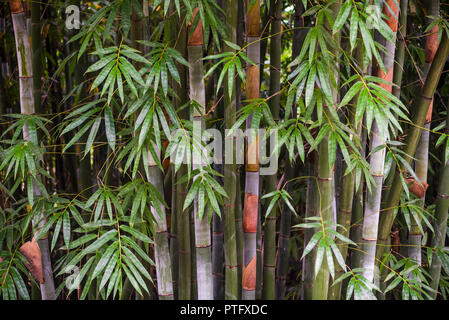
{"x":321,"y":281}
{"x":377,"y":159}
{"x":422,"y":152}
{"x":413,"y":134}
{"x":357,"y":215}
{"x":24,"y":60}
{"x":230,"y":173}
{"x":320,"y":286}
{"x":346,"y":202}
{"x":269,"y":262}
{"x":239,"y":237}
{"x":326,"y":193}
{"x":440,"y":222}
{"x":251,"y":202}
{"x":218,"y":275}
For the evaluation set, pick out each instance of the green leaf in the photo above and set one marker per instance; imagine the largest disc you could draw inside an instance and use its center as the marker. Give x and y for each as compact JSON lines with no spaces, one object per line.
{"x":342,"y":17}
{"x":109,"y":269}
{"x":126,"y":17}
{"x":319,"y":255}
{"x":110,"y":128}
{"x":137,"y":234}
{"x":312,"y":243}
{"x":101,"y":63}
{"x":101,"y":241}
{"x":104,"y":259}
{"x":66,"y":228}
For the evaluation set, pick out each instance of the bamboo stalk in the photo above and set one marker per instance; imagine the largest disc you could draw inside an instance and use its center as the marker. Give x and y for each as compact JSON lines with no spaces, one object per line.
{"x":170,"y":33}
{"x":174,"y":238}
{"x":285,"y":221}
{"x":413,"y":134}
{"x":193,"y":259}
{"x":3,"y":62}
{"x":357,"y":214}
{"x":400,"y":49}
{"x":397,"y":75}
{"x":377,"y":159}
{"x":325,"y":176}
{"x":312,"y":205}
{"x":36,"y":51}
{"x":24,"y":59}
{"x":251,"y":202}
{"x":161,"y":251}
{"x":259,"y":253}
{"x":422,"y":152}
{"x":217,"y":257}
{"x":269,"y":262}
{"x":230,"y":172}
{"x":238,"y":208}
{"x":326,"y":189}
{"x":182,"y":218}
{"x":440,"y":222}
{"x":346,"y":202}
{"x":239,"y":232}
{"x":202,"y":228}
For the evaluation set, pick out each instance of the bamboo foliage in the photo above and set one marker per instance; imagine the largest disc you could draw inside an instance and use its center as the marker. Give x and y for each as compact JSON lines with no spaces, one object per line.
{"x":134,"y":150}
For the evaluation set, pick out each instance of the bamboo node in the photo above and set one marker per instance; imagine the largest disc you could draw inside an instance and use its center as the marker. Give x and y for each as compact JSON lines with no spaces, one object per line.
{"x":202,"y":246}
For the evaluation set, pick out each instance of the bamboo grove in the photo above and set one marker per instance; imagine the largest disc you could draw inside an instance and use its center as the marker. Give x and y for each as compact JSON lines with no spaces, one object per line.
{"x":111,"y":188}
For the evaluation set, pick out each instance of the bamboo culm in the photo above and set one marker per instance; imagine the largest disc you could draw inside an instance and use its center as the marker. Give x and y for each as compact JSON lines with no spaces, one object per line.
{"x":377,"y":159}
{"x":413,"y":134}
{"x":269,"y":262}
{"x":24,"y":57}
{"x":251,"y":201}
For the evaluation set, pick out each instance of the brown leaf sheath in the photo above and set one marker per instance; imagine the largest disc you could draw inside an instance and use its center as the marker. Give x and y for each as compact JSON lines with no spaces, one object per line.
{"x":16,"y":6}
{"x":250,"y":213}
{"x":197,"y":36}
{"x":249,"y":275}
{"x":32,"y":253}
{"x":416,"y":188}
